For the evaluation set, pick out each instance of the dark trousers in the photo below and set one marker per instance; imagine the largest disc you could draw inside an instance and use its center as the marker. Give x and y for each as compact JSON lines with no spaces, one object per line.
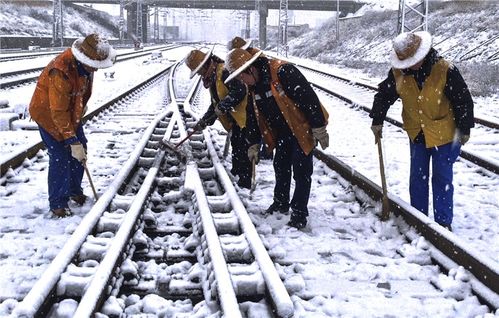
{"x":289,"y":155}
{"x":241,"y":166}
{"x":442,"y":159}
{"x":65,"y":172}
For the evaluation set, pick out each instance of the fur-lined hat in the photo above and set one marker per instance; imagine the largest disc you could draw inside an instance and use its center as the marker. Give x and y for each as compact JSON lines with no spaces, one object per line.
{"x":237,"y":61}
{"x":196,"y":59}
{"x":94,"y":51}
{"x":410,"y":48}
{"x":238,"y":43}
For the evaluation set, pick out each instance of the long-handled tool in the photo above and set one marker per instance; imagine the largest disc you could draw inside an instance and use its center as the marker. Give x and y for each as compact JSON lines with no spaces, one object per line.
{"x":90,"y":181}
{"x":385,"y":212}
{"x":227,"y":144}
{"x":253,"y":175}
{"x":168,"y":144}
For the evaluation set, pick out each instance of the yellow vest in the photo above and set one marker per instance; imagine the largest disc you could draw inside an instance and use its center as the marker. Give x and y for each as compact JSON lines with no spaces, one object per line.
{"x":239,"y":112}
{"x":293,"y":116}
{"x":427,"y":109}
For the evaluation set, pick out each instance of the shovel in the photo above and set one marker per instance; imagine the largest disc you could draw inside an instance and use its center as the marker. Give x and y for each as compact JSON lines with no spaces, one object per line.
{"x":385,"y":214}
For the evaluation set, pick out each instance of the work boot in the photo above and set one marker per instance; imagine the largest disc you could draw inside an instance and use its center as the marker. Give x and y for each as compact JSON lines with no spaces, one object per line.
{"x":79,"y":199}
{"x":448,"y":227}
{"x":297,"y":221}
{"x":62,"y":212}
{"x":277,"y":207}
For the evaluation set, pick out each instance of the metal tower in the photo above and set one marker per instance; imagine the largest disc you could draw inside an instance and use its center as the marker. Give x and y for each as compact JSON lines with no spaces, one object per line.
{"x":412,"y":16}
{"x":282,"y":44}
{"x":58,"y":26}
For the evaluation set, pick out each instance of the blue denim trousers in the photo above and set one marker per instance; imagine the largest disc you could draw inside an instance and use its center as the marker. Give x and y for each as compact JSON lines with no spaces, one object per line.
{"x":442,"y":160}
{"x":65,"y":172}
{"x":289,"y":157}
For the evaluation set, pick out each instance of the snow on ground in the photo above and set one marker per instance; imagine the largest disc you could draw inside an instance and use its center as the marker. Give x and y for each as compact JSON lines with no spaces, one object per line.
{"x":335,"y":234}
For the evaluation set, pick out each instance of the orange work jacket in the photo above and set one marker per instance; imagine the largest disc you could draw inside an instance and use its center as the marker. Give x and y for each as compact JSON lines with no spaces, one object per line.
{"x":293,"y":116}
{"x":60,"y":97}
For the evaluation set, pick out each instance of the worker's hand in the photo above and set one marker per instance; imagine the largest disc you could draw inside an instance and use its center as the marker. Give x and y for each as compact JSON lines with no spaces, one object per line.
{"x":377,"y":131}
{"x":253,"y":152}
{"x":78,"y":152}
{"x":320,"y":134}
{"x":462,"y":138}
{"x":221,"y":110}
{"x":200,"y":125}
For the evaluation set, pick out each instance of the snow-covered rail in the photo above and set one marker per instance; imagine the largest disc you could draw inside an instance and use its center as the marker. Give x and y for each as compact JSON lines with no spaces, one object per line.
{"x":21,"y":77}
{"x":16,"y":159}
{"x":360,"y":95}
{"x":164,"y":211}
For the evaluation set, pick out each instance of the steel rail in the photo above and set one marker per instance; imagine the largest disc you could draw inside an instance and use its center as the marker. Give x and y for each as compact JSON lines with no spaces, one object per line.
{"x":120,"y":58}
{"x":484,"y":269}
{"x":17,"y":159}
{"x":478,"y":120}
{"x":37,"y":300}
{"x":491,"y":166}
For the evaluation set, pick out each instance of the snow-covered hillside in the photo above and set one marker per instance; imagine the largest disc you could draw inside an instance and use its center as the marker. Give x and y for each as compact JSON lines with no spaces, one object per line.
{"x":465,"y":32}
{"x":36,"y":20}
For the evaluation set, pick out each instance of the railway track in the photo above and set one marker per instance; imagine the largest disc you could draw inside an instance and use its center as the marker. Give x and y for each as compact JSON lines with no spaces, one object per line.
{"x":22,"y":77}
{"x":363,"y":93}
{"x":171,"y":232}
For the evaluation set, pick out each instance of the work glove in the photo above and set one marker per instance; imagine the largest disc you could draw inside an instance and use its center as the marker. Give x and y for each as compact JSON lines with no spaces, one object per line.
{"x":200,"y":125}
{"x":320,"y":134}
{"x":462,"y":138}
{"x":220,"y":110}
{"x":78,"y":152}
{"x":253,"y":152}
{"x":377,"y":131}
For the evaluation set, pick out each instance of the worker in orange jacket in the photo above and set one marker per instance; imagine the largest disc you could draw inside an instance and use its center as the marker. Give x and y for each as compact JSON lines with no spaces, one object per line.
{"x":289,"y":117}
{"x":57,"y":106}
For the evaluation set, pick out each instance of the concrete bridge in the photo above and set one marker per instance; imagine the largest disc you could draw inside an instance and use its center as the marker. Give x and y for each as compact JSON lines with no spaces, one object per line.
{"x":345,"y":7}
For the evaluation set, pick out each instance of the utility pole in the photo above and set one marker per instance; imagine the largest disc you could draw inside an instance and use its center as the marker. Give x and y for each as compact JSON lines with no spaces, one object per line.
{"x":248,"y":25}
{"x":122,"y":21}
{"x":257,"y":10}
{"x":58,"y":26}
{"x":337,"y":20}
{"x":282,"y":44}
{"x":413,"y":17}
{"x":156,"y":25}
{"x":138,"y":28}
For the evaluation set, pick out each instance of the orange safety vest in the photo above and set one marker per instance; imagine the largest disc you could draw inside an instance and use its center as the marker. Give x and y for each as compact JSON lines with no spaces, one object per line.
{"x":427,"y":109}
{"x":239,"y":112}
{"x":58,"y":101}
{"x":293,"y":116}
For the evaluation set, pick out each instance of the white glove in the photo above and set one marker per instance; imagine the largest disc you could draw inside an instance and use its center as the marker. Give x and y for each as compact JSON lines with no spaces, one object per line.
{"x":78,"y":152}
{"x":253,"y":152}
{"x":322,"y":136}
